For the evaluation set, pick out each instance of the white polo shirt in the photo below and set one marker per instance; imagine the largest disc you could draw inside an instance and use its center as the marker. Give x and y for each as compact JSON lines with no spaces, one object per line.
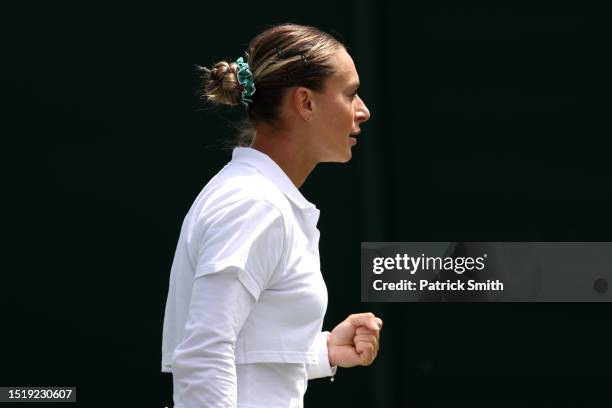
{"x":246,"y":299}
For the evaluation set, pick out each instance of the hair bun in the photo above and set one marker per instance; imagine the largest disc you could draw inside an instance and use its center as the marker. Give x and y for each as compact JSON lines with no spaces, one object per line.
{"x":221,"y":84}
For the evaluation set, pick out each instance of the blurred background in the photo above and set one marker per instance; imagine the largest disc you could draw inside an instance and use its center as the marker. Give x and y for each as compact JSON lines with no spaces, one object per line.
{"x":490,"y":122}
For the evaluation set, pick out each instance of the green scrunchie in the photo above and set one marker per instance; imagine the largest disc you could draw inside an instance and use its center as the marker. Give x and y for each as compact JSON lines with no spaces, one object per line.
{"x":245,"y":77}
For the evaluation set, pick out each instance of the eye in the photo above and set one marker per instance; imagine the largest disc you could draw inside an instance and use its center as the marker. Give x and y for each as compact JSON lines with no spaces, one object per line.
{"x":354,"y":94}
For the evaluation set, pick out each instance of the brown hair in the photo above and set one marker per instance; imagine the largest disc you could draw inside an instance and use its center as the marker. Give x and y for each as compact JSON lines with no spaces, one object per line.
{"x":280,"y":57}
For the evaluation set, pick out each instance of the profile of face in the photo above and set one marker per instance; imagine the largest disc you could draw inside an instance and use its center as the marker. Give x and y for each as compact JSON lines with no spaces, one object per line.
{"x":338,"y":113}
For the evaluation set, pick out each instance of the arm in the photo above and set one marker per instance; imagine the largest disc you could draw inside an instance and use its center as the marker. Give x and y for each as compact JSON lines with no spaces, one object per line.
{"x":203,"y":365}
{"x":236,"y":257}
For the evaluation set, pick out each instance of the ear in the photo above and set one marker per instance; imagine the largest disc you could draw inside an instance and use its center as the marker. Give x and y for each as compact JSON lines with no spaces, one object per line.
{"x":304,"y":102}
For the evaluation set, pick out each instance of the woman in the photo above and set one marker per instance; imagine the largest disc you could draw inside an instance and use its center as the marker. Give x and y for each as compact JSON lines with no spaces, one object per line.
{"x":246,"y":300}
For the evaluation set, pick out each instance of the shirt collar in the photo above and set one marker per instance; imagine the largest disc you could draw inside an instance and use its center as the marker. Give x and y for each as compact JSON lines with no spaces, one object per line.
{"x":271,"y":171}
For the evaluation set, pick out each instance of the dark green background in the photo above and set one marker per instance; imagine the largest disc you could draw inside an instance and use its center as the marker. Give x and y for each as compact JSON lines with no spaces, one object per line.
{"x":490,"y":122}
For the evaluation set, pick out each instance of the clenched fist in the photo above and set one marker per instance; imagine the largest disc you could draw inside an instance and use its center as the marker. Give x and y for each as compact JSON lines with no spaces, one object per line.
{"x":355,"y":341}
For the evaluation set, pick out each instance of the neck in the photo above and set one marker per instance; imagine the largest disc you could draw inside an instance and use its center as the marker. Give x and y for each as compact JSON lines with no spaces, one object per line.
{"x":287,"y":149}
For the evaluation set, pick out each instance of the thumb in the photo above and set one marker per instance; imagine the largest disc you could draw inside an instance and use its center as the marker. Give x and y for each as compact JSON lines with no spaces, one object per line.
{"x":364,"y":319}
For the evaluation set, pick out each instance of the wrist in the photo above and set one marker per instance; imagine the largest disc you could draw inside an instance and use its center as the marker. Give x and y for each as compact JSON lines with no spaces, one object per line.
{"x":330,"y":352}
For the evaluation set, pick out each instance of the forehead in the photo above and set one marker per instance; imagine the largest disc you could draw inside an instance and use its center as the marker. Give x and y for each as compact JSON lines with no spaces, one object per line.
{"x":346,"y":73}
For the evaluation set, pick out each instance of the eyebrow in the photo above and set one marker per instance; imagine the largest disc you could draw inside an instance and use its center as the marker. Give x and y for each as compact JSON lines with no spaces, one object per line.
{"x":353,"y":86}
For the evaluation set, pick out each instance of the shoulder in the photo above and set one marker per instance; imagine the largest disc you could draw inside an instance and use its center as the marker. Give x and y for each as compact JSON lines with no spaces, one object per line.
{"x":243,"y":188}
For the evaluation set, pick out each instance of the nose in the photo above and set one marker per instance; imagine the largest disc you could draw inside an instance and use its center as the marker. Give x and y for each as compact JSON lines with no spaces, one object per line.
{"x":362,"y":113}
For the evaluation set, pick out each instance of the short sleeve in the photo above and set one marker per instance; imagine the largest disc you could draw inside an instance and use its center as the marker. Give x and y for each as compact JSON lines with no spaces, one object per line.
{"x":248,"y":235}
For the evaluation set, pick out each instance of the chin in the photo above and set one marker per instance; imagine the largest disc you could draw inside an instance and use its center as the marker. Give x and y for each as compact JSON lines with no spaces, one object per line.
{"x":339,"y":154}
{"x":339,"y":158}
{"x":349,"y":156}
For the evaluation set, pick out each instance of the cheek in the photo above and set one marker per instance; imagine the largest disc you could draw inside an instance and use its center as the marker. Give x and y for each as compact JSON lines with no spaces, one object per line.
{"x":338,"y":116}
{"x":343,"y":113}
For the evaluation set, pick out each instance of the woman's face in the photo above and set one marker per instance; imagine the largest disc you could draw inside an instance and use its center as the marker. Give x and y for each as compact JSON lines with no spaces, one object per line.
{"x":339,"y":112}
